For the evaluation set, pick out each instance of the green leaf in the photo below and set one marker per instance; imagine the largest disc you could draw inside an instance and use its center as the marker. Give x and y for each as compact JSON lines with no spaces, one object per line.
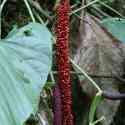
{"x":25,"y":61}
{"x":116,"y":27}
{"x":13,"y":31}
{"x":96,"y":101}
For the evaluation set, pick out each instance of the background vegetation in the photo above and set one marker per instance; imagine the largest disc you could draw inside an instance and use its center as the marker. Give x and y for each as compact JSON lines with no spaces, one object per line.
{"x":105,"y":12}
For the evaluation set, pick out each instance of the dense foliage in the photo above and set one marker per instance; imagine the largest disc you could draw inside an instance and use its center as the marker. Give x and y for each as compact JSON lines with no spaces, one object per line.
{"x":76,"y":82}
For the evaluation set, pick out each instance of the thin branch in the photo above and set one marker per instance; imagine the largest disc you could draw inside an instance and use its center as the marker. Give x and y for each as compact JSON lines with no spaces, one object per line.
{"x":102,"y":3}
{"x":42,"y":121}
{"x":38,"y":17}
{"x":52,"y":77}
{"x":1,"y":8}
{"x":99,"y":120}
{"x":40,"y":9}
{"x":86,"y":75}
{"x":100,"y":11}
{"x":2,"y":5}
{"x":105,"y":94}
{"x":29,"y":10}
{"x":73,"y":6}
{"x":83,"y":7}
{"x":112,"y":9}
{"x":85,"y":20}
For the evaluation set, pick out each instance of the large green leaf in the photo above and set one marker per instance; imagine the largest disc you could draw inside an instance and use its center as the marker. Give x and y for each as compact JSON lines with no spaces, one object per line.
{"x":25,"y":61}
{"x":116,"y":27}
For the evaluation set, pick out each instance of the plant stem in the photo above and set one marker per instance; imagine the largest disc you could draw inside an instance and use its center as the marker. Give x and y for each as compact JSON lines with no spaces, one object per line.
{"x":83,"y":7}
{"x":37,"y":7}
{"x":99,"y":120}
{"x":29,"y":10}
{"x":52,"y":77}
{"x":86,"y":75}
{"x":112,"y":9}
{"x":1,"y":8}
{"x":2,"y":5}
{"x":57,"y":106}
{"x":100,"y":11}
{"x":38,"y":17}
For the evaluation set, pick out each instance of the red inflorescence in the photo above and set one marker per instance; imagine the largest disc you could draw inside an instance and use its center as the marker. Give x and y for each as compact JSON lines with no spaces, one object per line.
{"x":62,"y":30}
{"x":57,"y":106}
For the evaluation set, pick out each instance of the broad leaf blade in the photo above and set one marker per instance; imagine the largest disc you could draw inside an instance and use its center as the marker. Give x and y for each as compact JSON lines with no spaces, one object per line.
{"x":98,"y":55}
{"x":25,"y":60}
{"x":116,"y":27}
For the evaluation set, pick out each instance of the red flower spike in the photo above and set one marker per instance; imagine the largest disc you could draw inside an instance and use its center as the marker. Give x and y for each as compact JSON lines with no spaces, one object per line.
{"x":62,"y":31}
{"x":57,"y":106}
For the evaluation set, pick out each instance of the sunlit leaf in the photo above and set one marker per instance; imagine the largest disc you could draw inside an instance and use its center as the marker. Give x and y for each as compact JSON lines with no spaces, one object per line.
{"x":25,"y":61}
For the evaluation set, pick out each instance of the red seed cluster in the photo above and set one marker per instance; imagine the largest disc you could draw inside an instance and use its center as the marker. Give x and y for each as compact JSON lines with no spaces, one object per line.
{"x":62,"y":30}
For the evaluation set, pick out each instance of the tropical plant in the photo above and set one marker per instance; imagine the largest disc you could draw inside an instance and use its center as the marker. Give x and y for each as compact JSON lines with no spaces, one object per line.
{"x":60,"y":62}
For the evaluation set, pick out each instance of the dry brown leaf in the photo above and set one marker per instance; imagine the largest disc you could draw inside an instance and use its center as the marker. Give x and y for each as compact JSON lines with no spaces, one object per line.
{"x":101,"y":55}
